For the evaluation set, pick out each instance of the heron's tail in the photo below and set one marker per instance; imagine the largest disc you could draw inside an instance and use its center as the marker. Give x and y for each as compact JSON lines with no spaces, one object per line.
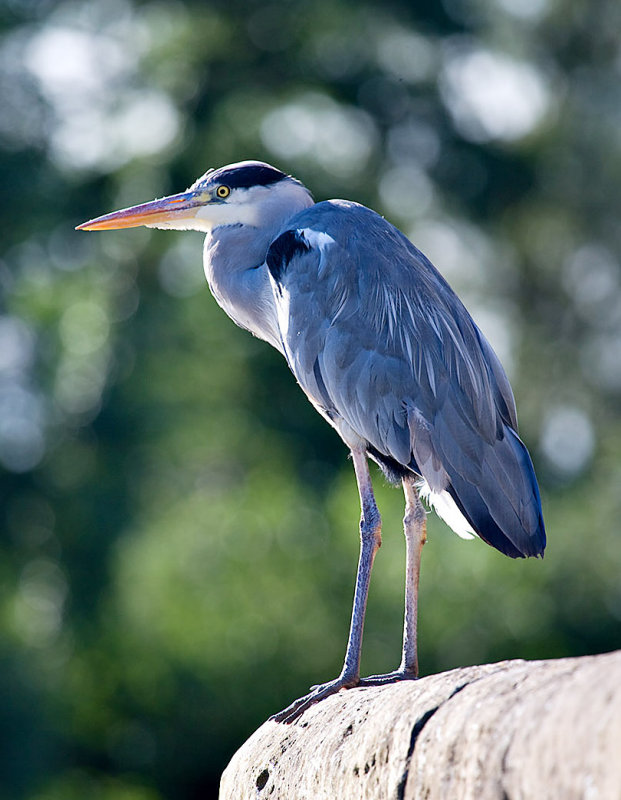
{"x":502,"y":505}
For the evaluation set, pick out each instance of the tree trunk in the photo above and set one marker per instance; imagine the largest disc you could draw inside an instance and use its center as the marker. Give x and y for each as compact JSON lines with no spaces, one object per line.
{"x":517,"y":730}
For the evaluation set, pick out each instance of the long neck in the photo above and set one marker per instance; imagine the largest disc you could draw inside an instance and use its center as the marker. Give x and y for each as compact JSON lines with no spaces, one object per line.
{"x":234,"y":257}
{"x":234,"y":263}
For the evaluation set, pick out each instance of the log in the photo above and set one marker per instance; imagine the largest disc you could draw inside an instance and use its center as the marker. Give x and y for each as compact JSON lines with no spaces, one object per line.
{"x":516,"y":730}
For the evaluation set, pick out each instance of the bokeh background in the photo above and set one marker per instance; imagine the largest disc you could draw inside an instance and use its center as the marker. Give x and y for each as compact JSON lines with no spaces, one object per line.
{"x":178,"y":526}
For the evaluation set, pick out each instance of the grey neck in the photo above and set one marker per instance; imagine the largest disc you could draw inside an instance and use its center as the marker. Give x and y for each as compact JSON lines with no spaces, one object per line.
{"x":234,"y":262}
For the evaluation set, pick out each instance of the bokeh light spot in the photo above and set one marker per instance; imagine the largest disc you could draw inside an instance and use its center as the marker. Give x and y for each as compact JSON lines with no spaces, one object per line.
{"x":84,"y":327}
{"x":567,"y":441}
{"x":337,"y":137}
{"x":493,"y":96}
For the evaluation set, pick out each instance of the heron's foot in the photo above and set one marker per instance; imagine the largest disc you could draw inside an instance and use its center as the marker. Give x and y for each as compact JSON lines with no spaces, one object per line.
{"x":317,"y":693}
{"x":400,"y":674}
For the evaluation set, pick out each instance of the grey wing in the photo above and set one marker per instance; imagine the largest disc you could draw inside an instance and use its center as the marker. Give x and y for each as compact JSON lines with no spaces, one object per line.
{"x":384,"y":348}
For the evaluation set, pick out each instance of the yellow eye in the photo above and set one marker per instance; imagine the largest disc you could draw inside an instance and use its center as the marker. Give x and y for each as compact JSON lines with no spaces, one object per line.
{"x":223,"y":191}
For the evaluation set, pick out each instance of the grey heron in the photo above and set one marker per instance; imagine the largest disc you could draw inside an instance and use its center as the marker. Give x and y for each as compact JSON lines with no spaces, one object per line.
{"x":386,"y":353}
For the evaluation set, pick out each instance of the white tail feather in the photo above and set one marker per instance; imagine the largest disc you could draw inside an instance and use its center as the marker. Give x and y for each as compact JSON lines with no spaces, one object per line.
{"x":446,"y":508}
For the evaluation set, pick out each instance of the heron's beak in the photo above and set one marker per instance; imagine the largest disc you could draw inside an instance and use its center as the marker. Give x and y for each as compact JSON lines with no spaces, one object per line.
{"x":169,"y":212}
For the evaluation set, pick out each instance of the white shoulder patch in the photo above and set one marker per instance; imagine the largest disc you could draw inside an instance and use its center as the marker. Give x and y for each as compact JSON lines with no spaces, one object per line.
{"x":316,"y":238}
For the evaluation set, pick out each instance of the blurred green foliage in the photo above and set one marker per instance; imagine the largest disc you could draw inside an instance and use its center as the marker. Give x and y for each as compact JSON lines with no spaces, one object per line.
{"x":179,"y":531}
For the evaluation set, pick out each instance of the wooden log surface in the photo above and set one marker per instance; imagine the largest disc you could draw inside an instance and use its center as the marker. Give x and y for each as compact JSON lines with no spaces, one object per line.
{"x":516,"y":730}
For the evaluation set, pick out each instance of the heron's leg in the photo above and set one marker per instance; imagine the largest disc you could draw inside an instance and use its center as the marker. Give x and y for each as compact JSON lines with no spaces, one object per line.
{"x":370,"y":540}
{"x":415,"y":529}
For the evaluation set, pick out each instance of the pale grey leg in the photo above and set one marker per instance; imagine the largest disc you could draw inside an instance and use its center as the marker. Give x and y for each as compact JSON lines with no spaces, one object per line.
{"x":370,"y":540}
{"x":415,"y":530}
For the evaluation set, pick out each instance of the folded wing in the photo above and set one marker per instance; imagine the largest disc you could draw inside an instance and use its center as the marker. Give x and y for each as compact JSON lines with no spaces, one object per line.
{"x":387,"y":352}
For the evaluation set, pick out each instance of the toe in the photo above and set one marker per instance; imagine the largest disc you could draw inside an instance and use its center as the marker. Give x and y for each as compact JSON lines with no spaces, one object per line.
{"x":317,"y":693}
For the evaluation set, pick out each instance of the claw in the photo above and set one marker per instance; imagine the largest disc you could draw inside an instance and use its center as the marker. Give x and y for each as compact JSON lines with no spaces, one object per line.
{"x":323,"y":690}
{"x":317,"y":693}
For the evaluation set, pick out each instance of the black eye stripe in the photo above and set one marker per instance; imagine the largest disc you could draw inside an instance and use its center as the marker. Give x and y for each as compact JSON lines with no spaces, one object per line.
{"x":245,"y":177}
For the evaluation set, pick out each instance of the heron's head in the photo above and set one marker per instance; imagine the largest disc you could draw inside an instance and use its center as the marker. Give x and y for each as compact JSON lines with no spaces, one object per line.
{"x":248,"y":193}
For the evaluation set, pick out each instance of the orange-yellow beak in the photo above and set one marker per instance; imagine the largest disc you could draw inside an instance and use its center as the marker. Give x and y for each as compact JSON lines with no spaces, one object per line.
{"x":169,"y":212}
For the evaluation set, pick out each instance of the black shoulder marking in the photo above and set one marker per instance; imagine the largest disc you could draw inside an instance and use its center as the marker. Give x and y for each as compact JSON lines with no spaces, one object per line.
{"x":247,"y":176}
{"x":282,"y":250}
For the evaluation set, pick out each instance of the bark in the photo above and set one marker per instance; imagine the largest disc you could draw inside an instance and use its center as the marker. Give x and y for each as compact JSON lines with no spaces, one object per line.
{"x":516,"y":730}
